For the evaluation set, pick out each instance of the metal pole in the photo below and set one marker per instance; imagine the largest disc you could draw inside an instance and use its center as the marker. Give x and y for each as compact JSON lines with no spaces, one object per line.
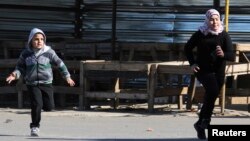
{"x":113,"y":30}
{"x":223,"y":91}
{"x":226,"y":14}
{"x":78,"y":18}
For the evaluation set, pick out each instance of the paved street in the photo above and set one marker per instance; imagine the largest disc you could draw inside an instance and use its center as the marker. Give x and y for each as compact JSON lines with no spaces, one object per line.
{"x":107,"y":125}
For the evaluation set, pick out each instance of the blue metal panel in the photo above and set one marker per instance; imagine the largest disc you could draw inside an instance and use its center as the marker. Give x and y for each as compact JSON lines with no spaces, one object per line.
{"x":19,"y":17}
{"x":46,"y":3}
{"x":137,"y":21}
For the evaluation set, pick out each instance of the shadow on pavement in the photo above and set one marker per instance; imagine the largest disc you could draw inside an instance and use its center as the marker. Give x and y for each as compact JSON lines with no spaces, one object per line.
{"x":82,"y":139}
{"x":75,"y":139}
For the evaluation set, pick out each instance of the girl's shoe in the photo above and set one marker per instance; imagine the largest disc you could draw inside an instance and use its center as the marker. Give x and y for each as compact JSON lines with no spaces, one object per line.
{"x":200,"y":131}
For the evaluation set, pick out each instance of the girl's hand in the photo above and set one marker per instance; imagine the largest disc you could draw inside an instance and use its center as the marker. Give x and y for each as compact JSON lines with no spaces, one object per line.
{"x":195,"y":68}
{"x":70,"y":82}
{"x":219,"y":52}
{"x":11,"y":77}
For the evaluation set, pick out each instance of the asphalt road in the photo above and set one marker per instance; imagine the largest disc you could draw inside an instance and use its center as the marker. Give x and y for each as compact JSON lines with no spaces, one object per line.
{"x":70,"y":125}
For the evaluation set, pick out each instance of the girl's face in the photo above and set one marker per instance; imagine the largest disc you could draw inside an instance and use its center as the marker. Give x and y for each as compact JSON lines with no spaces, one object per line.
{"x":214,"y":22}
{"x":38,"y":41}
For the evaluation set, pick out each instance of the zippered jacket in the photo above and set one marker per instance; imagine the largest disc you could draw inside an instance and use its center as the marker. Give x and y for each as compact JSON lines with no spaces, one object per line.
{"x":36,"y":66}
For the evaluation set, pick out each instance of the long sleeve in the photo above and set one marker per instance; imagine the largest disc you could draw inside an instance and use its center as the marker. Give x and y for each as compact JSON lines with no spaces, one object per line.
{"x":229,"y":53}
{"x":20,"y":67}
{"x":188,"y":49}
{"x":60,"y":65}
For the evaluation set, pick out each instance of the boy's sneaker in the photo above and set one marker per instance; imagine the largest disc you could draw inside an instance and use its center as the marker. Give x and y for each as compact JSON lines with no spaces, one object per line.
{"x":34,"y":131}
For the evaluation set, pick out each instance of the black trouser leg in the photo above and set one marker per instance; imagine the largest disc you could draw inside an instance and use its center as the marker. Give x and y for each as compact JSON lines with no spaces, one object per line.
{"x":36,"y":105}
{"x":48,"y":97}
{"x":41,"y":97}
{"x":212,"y":84}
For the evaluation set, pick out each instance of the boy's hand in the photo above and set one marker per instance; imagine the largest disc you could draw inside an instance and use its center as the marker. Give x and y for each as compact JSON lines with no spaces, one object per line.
{"x":11,"y":77}
{"x":70,"y":82}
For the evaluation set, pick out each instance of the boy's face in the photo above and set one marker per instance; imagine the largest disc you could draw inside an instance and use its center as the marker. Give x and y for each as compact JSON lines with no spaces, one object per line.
{"x":38,"y":41}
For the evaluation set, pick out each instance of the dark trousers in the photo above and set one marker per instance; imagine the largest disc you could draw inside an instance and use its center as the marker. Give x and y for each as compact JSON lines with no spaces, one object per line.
{"x":212,"y":83}
{"x":41,"y":97}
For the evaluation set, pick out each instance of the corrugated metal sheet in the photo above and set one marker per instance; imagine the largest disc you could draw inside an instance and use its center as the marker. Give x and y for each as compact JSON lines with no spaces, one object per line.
{"x":165,"y":21}
{"x":18,"y":17}
{"x":40,"y":3}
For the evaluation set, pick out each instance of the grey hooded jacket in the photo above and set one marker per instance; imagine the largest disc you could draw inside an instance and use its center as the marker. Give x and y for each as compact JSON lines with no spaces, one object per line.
{"x":36,"y":66}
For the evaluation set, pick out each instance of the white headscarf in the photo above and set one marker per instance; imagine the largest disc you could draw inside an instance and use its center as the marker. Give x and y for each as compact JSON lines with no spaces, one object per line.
{"x":205,"y":27}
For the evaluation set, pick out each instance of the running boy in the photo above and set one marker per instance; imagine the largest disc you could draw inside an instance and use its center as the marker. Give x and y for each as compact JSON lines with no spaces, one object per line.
{"x":35,"y":64}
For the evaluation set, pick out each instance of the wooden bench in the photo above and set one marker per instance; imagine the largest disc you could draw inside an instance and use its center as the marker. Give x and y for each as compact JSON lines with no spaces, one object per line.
{"x":117,"y":70}
{"x":242,"y":49}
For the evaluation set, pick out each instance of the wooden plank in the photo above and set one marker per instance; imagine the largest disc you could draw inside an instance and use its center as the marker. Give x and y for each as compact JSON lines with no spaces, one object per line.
{"x":144,"y":46}
{"x":191,"y":92}
{"x":116,"y":90}
{"x":171,"y":91}
{"x":237,"y":69}
{"x":243,"y":47}
{"x":134,"y":90}
{"x":81,"y":85}
{"x":151,"y":86}
{"x":11,"y":63}
{"x":8,"y":63}
{"x":67,"y":90}
{"x":223,"y":96}
{"x":174,"y":67}
{"x":237,"y":92}
{"x":8,"y":89}
{"x":133,"y":96}
{"x":113,"y":95}
{"x":116,"y":66}
{"x":72,"y":64}
{"x":182,"y":67}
